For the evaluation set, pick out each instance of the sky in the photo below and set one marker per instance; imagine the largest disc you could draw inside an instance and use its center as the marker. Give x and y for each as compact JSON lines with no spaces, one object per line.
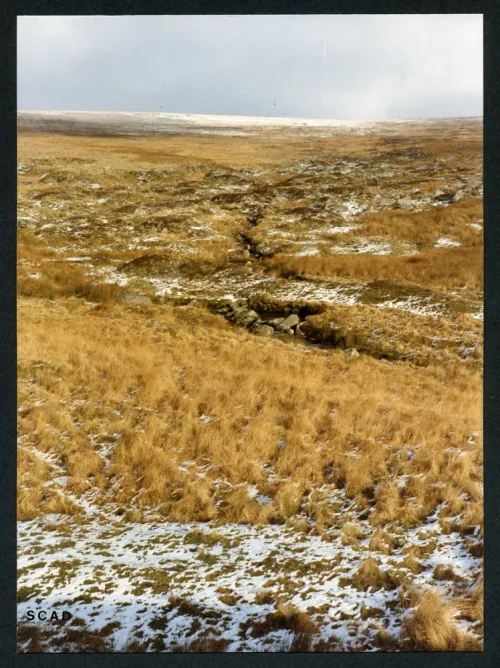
{"x":358,"y":67}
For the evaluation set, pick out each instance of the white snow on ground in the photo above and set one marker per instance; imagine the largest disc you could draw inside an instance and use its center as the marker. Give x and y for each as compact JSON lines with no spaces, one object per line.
{"x":373,"y":247}
{"x":418,"y":305}
{"x":444,"y":242}
{"x":307,"y":252}
{"x":340,"y":229}
{"x":103,"y":569}
{"x":362,"y":246}
{"x":353,"y":208}
{"x":225,"y":284}
{"x":126,"y":573}
{"x":153,"y":122}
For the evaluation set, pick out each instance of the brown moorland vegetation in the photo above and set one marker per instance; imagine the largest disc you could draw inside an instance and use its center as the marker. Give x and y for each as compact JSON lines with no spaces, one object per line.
{"x":139,"y":415}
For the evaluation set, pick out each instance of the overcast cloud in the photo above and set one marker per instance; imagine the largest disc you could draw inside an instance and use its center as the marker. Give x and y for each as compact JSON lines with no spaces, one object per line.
{"x":346,"y":67}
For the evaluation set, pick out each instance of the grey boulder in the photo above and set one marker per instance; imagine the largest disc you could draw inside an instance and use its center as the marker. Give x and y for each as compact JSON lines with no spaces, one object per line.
{"x":443,"y":194}
{"x":140,"y":300}
{"x":299,"y":330}
{"x":246,"y":318}
{"x":405,"y":203}
{"x":289,"y":322}
{"x":473,"y":182}
{"x":262,"y":330}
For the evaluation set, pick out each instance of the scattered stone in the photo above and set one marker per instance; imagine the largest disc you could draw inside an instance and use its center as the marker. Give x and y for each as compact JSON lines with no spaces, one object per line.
{"x":405,"y":203}
{"x":351,"y":352}
{"x":444,"y":194}
{"x":246,"y":318}
{"x":457,"y":196}
{"x":262,"y":329}
{"x":289,"y":322}
{"x":473,"y":182}
{"x":264,"y":250}
{"x":275,"y":322}
{"x":222,"y":306}
{"x":136,"y":300}
{"x":299,"y":330}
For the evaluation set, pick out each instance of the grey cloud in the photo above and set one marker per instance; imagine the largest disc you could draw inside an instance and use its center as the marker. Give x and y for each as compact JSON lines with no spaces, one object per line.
{"x":375,"y":67}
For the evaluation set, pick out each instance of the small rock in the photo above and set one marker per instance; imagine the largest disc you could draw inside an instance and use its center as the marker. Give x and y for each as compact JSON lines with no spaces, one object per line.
{"x":141,"y":300}
{"x":299,"y":330}
{"x":443,"y":194}
{"x":234,"y":312}
{"x":264,"y":250}
{"x":221,"y":305}
{"x":351,"y":352}
{"x":289,"y":322}
{"x":473,"y":182}
{"x":275,"y":322}
{"x":457,"y":196}
{"x":262,"y":329}
{"x":405,"y":203}
{"x":246,"y":318}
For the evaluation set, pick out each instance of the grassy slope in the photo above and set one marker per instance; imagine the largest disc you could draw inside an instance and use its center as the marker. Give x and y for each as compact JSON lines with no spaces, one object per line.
{"x":121,"y":398}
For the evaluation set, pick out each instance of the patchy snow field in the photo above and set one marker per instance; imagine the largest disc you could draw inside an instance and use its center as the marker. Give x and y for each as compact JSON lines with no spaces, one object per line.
{"x":152,"y":122}
{"x":190,"y":579}
{"x":338,"y":477}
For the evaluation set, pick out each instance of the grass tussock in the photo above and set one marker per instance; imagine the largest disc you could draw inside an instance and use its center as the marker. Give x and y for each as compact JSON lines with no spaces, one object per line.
{"x":120,"y":405}
{"x":431,"y":628}
{"x":287,"y":617}
{"x":439,"y":269}
{"x":424,"y":228}
{"x":371,"y":576}
{"x":205,"y":644}
{"x":62,"y":279}
{"x":393,"y":334}
{"x":139,"y":392}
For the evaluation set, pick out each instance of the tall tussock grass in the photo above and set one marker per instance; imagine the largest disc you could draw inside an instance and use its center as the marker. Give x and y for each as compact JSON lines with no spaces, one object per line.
{"x":430,"y":627}
{"x":149,"y":390}
{"x":439,"y":269}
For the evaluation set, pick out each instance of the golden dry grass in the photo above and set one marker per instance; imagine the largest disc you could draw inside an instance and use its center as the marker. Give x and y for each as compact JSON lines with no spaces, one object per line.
{"x":147,"y":375}
{"x":424,"y":228}
{"x":249,"y":150}
{"x":393,"y":334}
{"x":172,"y":408}
{"x":441,"y":269}
{"x":431,"y":628}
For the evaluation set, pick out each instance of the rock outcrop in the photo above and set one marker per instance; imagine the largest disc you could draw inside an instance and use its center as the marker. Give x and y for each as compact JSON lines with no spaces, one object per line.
{"x":237,"y":311}
{"x":136,"y":300}
{"x":288,"y":323}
